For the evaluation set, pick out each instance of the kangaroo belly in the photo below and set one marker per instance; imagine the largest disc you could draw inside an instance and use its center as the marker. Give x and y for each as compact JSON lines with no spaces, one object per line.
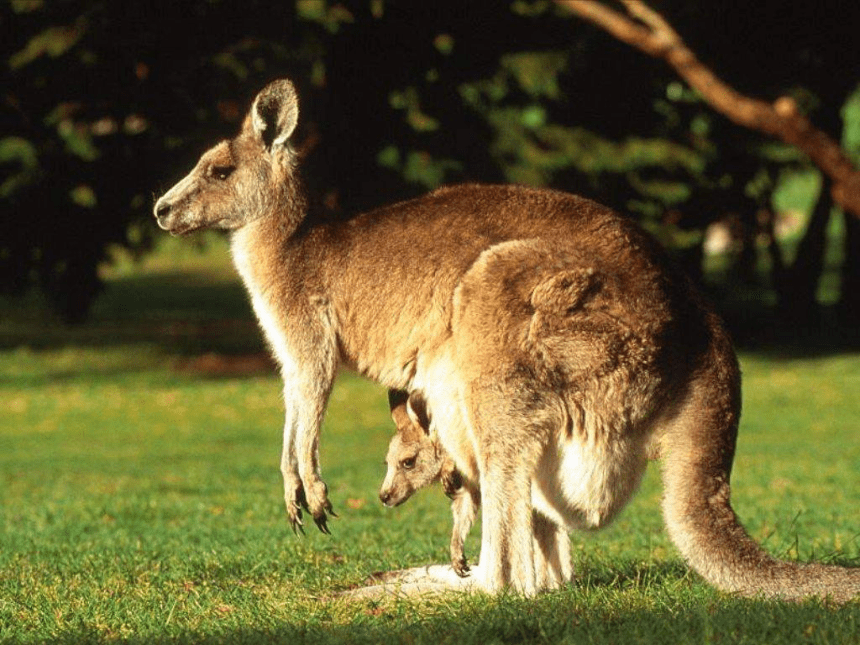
{"x":437,"y":377}
{"x":582,"y":484}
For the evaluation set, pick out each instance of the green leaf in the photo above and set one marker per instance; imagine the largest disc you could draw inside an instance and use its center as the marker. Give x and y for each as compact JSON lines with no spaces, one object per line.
{"x":53,"y":43}
{"x":18,"y":150}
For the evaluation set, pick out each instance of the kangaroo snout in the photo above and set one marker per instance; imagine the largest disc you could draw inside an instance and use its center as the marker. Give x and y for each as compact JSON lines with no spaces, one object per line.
{"x":161,"y":210}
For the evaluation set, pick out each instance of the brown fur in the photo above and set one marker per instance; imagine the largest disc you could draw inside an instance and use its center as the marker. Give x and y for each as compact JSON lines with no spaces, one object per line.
{"x":551,"y":338}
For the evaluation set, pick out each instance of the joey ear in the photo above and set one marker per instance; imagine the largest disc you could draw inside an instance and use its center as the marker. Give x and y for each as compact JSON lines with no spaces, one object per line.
{"x":275,"y":113}
{"x":416,"y":407}
{"x":396,"y":398}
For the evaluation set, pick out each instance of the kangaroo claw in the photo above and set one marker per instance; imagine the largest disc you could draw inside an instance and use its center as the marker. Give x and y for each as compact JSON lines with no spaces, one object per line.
{"x":322,"y":524}
{"x":316,"y":502}
{"x":295,"y":503}
{"x":295,"y":517}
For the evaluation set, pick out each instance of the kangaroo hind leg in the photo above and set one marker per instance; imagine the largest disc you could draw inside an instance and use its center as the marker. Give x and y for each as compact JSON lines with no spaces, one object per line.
{"x":511,"y":425}
{"x":553,"y":566}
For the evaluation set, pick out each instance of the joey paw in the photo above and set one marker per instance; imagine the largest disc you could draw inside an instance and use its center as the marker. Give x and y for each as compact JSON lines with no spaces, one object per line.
{"x":461,"y":567}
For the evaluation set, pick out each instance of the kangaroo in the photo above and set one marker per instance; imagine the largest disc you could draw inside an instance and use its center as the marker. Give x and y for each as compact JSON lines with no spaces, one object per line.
{"x":552,"y":339}
{"x":415,"y":460}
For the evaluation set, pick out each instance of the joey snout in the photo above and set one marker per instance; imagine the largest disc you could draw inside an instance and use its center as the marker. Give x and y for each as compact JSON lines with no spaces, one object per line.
{"x":386,"y":497}
{"x":392,"y":495}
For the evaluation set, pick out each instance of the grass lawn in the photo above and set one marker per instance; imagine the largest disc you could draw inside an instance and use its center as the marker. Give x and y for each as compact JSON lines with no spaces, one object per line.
{"x":141,"y":499}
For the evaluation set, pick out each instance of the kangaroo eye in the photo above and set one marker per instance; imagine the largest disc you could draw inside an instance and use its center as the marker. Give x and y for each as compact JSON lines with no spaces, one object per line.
{"x":221,"y":172}
{"x":408,"y":464}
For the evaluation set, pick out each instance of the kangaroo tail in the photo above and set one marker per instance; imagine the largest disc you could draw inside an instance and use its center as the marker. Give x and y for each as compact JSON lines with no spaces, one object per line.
{"x":699,"y":449}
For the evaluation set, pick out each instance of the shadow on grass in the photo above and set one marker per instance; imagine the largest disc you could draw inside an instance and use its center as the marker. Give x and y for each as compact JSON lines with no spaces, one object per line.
{"x":181,"y":313}
{"x":192,"y":314}
{"x":759,"y":329}
{"x":757,"y":324}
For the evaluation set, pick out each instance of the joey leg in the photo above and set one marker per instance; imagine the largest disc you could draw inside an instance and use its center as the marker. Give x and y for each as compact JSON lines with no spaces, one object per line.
{"x":464,"y":508}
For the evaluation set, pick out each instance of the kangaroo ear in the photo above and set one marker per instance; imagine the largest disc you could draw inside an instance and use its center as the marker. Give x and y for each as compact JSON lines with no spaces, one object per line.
{"x":275,"y":113}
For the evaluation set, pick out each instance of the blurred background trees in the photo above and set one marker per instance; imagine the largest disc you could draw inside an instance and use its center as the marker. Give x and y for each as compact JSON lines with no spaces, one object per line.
{"x":107,"y":103}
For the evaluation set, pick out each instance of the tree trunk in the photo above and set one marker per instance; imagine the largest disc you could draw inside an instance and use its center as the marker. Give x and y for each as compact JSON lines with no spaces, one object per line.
{"x":849,"y":296}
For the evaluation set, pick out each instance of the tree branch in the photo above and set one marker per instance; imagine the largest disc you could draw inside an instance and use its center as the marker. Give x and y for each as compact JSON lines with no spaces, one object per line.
{"x":656,"y":37}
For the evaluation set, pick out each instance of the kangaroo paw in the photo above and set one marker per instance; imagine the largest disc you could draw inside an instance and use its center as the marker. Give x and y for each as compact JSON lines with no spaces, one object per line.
{"x":318,"y":504}
{"x":294,"y":498}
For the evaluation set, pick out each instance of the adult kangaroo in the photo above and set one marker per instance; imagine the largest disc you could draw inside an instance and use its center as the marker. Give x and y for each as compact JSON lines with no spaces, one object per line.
{"x":551,"y":339}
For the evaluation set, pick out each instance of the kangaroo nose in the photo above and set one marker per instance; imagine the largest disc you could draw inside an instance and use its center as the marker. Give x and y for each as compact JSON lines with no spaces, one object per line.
{"x":162,"y":208}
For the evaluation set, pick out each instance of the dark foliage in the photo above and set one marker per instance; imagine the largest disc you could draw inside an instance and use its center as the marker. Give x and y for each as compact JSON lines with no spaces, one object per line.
{"x":106,"y":103}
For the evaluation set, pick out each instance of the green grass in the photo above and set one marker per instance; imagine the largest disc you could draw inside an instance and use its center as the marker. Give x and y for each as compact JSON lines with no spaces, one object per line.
{"x":141,"y":499}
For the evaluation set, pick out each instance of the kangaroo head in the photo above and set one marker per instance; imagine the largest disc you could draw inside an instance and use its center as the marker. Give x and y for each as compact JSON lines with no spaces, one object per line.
{"x":245,"y":178}
{"x":414,"y":459}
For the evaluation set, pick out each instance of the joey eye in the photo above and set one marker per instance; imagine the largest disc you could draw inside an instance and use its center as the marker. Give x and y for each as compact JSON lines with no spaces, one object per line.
{"x":408,"y":464}
{"x":221,"y":172}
